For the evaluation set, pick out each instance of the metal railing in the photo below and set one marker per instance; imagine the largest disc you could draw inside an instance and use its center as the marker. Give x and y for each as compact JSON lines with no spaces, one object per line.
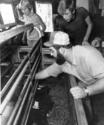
{"x":31,"y":63}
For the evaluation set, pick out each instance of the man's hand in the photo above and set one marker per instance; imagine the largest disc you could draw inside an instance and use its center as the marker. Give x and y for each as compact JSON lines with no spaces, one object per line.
{"x":85,"y":43}
{"x":18,"y":6}
{"x":78,"y":92}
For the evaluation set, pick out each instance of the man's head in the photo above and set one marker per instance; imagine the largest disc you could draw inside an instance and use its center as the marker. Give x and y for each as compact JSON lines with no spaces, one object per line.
{"x":25,"y":7}
{"x":69,"y":13}
{"x":58,"y":40}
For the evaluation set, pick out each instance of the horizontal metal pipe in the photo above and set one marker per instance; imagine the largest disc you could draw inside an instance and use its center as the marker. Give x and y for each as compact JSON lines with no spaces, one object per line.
{"x":32,"y":55}
{"x":6,"y":35}
{"x":18,"y":102}
{"x":34,"y":66}
{"x":33,"y":94}
{"x":27,"y":115}
{"x":28,"y":108}
{"x":4,"y":64}
{"x":22,"y":104}
{"x":10,"y":94}
{"x":27,"y":112}
{"x":15,"y":74}
{"x":21,"y":95}
{"x":37,"y":44}
{"x":12,"y":90}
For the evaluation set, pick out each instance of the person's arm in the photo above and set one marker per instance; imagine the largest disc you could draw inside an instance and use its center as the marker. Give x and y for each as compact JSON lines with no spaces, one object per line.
{"x":20,"y":15}
{"x":95,"y":88}
{"x":53,"y":70}
{"x":86,"y":17}
{"x":42,"y":74}
{"x":89,"y":29}
{"x":41,"y":24}
{"x":61,"y":7}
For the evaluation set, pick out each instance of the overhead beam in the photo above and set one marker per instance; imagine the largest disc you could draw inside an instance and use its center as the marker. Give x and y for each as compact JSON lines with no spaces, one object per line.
{"x":6,"y":35}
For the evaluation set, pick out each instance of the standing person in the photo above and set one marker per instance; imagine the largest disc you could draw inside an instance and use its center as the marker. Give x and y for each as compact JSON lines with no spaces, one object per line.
{"x":76,"y":22}
{"x":27,"y":15}
{"x":84,"y":62}
{"x":79,"y":24}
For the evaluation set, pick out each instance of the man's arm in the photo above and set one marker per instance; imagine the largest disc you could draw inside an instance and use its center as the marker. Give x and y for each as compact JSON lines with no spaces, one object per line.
{"x":89,"y":29}
{"x":96,"y":88}
{"x":42,"y":74}
{"x":61,"y":7}
{"x":40,"y":22}
{"x":19,"y":13}
{"x":52,"y":70}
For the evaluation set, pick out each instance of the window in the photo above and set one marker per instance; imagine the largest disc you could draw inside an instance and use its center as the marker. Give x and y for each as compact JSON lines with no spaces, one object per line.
{"x":44,"y":10}
{"x":7,"y":14}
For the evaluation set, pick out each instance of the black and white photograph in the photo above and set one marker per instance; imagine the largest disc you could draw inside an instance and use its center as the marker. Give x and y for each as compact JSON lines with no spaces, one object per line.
{"x":51,"y":62}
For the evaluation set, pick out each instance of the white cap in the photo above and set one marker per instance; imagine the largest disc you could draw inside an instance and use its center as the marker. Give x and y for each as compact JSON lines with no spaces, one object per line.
{"x":58,"y":38}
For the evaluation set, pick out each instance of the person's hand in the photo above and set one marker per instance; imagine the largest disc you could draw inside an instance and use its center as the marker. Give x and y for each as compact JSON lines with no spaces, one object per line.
{"x":85,"y":43}
{"x":18,"y":6}
{"x":78,"y":92}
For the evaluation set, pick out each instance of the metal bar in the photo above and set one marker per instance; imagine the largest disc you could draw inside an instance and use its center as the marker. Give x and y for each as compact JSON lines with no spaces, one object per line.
{"x":15,"y":74}
{"x":20,"y":110}
{"x":28,"y":110}
{"x":21,"y":95}
{"x":29,"y":105}
{"x":46,"y":51}
{"x":35,"y":50}
{"x":18,"y":102}
{"x":36,"y":44}
{"x":24,"y":122}
{"x":4,"y":36}
{"x":12,"y":90}
{"x":22,"y":104}
{"x":17,"y":81}
{"x":21,"y":107}
{"x":4,"y":63}
{"x":34,"y":90}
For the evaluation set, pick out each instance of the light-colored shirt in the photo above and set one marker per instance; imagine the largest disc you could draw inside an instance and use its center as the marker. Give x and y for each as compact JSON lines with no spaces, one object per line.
{"x":87,"y":64}
{"x":32,"y":18}
{"x":35,"y":34}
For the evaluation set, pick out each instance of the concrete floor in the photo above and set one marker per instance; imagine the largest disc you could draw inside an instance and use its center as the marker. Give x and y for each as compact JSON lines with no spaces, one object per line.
{"x":38,"y":117}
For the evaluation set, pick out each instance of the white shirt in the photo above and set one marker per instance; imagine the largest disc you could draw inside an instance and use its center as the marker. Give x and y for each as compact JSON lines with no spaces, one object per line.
{"x":87,"y":64}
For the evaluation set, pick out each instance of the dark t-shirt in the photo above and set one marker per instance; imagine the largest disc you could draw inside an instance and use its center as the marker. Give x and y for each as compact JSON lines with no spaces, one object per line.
{"x":77,"y":27}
